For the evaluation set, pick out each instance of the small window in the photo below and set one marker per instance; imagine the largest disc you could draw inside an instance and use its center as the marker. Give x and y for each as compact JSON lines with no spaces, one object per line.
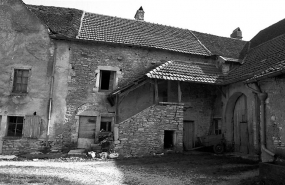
{"x":20,"y":83}
{"x":106,"y":124}
{"x":107,"y":79}
{"x":15,"y":126}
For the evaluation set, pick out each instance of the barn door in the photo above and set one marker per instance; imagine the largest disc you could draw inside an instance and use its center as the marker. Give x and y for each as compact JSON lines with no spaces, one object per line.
{"x":243,"y":137}
{"x":86,"y":132}
{"x":188,"y":134}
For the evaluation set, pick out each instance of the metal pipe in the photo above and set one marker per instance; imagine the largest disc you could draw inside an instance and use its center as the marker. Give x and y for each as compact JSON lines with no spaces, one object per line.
{"x":51,"y":94}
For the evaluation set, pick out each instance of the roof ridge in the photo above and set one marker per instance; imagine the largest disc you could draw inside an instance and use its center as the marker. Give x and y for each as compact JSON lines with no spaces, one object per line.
{"x":266,"y":42}
{"x":193,"y":62}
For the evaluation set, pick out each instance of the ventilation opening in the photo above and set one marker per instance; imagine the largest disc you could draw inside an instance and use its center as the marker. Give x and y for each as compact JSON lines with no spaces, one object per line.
{"x":169,"y":139}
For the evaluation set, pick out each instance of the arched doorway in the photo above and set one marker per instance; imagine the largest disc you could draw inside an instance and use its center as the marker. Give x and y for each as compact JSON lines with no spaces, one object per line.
{"x":237,"y":123}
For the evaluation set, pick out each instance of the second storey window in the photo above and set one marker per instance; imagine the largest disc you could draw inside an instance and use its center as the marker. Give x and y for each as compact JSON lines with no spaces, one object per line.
{"x":20,"y":82}
{"x":107,"y":79}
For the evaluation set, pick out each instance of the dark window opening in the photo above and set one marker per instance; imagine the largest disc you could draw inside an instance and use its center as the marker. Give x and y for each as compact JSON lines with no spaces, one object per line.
{"x":15,"y":126}
{"x":168,"y":139}
{"x":106,"y":124}
{"x":20,"y":80}
{"x":106,"y":80}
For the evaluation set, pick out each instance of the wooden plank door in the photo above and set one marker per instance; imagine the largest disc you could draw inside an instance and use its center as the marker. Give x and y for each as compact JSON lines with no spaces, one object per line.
{"x":86,"y":132}
{"x":188,"y":134}
{"x":243,"y":137}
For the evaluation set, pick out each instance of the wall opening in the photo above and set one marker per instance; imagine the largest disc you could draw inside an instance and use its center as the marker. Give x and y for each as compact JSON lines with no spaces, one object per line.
{"x":169,"y":139}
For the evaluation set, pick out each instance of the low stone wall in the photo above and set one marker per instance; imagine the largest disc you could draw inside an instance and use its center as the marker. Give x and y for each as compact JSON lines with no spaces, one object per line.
{"x":143,"y":133}
{"x":21,"y":146}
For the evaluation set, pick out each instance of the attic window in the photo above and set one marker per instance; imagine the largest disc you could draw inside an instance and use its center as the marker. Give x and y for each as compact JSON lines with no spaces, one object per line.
{"x":106,"y":80}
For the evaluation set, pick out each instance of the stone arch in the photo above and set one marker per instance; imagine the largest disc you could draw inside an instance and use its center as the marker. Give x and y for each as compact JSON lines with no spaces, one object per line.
{"x":229,"y":114}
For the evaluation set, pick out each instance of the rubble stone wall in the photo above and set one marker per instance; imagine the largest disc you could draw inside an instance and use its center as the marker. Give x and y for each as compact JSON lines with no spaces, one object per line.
{"x":143,"y":133}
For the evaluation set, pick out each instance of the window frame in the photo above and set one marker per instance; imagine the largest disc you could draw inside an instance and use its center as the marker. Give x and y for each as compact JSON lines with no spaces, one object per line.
{"x":9,"y":123}
{"x":14,"y":78}
{"x":117,"y":74}
{"x":112,"y":79}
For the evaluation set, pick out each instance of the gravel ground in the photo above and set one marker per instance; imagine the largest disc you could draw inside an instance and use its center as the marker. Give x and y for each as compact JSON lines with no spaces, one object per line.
{"x":171,"y":169}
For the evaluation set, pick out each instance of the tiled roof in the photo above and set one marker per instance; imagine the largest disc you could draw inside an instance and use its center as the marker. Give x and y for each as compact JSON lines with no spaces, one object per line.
{"x":260,"y":61}
{"x":222,"y":46}
{"x":188,"y":72}
{"x":64,"y":21}
{"x":139,"y":33}
{"x":268,"y":33}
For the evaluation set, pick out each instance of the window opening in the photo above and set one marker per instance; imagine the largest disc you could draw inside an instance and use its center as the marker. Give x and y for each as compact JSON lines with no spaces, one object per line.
{"x":106,"y":80}
{"x":168,"y":139}
{"x":106,"y":124}
{"x":15,"y":126}
{"x":20,"y":80}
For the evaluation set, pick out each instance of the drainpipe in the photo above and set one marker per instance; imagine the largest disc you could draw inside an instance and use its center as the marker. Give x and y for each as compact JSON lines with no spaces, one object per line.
{"x":262,"y":97}
{"x":51,"y":95}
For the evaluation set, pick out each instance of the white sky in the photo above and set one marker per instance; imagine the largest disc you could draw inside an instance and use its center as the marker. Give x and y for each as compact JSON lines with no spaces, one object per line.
{"x":218,"y":17}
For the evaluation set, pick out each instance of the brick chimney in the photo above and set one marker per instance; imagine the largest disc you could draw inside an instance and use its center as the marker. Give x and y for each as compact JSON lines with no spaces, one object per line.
{"x":140,"y":14}
{"x":237,"y":34}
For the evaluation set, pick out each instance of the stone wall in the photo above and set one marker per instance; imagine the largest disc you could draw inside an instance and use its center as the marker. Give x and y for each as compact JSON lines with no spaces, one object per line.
{"x":275,"y":106}
{"x":143,"y":133}
{"x":85,"y":58}
{"x":21,"y":146}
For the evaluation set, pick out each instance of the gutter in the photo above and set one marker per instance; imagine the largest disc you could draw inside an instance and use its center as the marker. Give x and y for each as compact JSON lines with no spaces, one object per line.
{"x":262,"y":96}
{"x":51,"y":94}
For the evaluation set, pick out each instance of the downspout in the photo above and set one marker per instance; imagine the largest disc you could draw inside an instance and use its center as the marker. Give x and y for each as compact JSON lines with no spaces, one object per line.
{"x":262,"y":97}
{"x":51,"y":94}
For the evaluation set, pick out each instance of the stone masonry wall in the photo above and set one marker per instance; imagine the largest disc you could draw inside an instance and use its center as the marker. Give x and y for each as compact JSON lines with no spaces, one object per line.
{"x":21,"y":146}
{"x":143,"y":133}
{"x":84,"y":61}
{"x":275,"y":106}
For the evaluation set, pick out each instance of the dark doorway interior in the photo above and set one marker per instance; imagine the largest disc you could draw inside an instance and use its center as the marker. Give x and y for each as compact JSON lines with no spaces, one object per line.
{"x":168,"y":139}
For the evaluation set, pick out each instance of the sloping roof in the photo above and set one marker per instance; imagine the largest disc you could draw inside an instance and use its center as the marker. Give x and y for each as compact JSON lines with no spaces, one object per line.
{"x":268,"y":33}
{"x":139,"y":33}
{"x":64,"y":21}
{"x":260,"y":61}
{"x":188,"y":72}
{"x":222,"y":46}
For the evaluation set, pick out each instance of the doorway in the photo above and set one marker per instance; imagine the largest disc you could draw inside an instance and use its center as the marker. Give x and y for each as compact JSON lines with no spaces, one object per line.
{"x":86,"y":132}
{"x":188,"y":135}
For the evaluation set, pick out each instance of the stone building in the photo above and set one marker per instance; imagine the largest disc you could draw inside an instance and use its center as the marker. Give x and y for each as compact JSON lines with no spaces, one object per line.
{"x":67,"y":76}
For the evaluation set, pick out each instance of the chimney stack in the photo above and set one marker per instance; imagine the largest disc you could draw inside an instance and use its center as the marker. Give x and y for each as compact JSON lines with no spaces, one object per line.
{"x":237,"y":34}
{"x":140,"y":14}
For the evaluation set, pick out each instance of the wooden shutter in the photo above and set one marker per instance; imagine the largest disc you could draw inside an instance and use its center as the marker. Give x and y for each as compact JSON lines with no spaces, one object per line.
{"x":32,"y":126}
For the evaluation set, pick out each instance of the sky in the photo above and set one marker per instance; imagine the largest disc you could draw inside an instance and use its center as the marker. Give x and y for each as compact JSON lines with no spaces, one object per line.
{"x":217,"y":17}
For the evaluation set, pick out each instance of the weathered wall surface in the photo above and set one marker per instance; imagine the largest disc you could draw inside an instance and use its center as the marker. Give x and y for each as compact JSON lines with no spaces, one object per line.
{"x":25,"y":44}
{"x":84,"y":59}
{"x":275,"y":106}
{"x":143,"y":133}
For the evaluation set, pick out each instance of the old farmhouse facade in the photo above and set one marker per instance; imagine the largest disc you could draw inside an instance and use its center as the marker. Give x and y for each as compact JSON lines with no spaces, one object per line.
{"x":68,"y":76}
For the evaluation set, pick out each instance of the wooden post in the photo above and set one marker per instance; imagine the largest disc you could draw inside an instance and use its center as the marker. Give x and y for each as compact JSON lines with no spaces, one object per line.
{"x":116,"y":121}
{"x":155,"y":91}
{"x":179,"y":92}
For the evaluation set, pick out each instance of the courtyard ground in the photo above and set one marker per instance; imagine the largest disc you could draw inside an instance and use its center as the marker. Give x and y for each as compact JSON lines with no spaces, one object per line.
{"x":170,"y":169}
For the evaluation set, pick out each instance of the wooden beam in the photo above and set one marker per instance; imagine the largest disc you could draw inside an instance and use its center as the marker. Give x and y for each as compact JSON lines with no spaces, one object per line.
{"x":179,"y":92}
{"x":155,"y":91}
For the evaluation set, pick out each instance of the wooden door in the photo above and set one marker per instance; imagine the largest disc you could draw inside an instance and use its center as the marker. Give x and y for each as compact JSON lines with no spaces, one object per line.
{"x":243,"y":137}
{"x":188,"y":134}
{"x":86,"y":132}
{"x":240,"y":125}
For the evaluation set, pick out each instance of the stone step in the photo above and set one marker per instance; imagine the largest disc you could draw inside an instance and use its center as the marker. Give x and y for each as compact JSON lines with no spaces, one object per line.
{"x":77,"y":152}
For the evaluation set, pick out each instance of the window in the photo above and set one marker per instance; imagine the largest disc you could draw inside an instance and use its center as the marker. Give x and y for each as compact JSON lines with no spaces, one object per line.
{"x":15,"y":126}
{"x":107,"y":79}
{"x":106,"y":124}
{"x":20,"y":83}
